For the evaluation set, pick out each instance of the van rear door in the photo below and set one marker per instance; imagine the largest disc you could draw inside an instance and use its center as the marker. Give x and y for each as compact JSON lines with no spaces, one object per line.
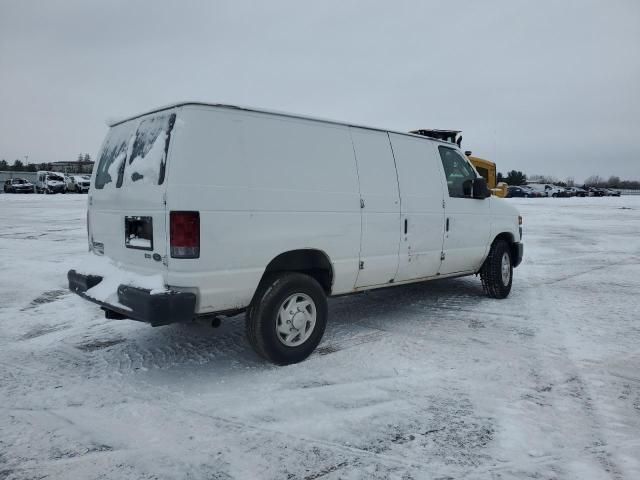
{"x":127,"y":203}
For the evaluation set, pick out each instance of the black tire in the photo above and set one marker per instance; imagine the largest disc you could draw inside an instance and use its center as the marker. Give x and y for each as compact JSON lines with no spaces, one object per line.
{"x":491,"y":272}
{"x":262,"y":317}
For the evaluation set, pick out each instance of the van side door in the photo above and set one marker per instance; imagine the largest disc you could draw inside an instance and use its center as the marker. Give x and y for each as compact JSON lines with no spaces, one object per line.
{"x":422,"y":210}
{"x":380,"y":207}
{"x":468,"y":219}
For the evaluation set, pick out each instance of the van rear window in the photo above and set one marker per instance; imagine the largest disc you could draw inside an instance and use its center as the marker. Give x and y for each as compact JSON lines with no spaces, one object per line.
{"x":135,"y":152}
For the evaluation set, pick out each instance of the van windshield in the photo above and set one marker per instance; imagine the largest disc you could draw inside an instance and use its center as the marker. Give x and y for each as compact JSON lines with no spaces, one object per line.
{"x":135,"y":152}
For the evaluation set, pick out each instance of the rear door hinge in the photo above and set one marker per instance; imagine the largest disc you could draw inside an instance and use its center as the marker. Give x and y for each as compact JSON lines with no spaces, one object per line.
{"x":443,"y":204}
{"x":362,"y":203}
{"x":361,"y":266}
{"x":164,"y":199}
{"x":442,"y":256}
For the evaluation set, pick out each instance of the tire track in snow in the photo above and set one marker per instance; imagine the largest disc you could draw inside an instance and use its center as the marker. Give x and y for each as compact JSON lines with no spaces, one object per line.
{"x":587,"y":271}
{"x":545,"y":393}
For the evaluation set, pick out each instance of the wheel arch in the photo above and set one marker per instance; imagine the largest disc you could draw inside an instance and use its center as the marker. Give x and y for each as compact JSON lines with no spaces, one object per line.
{"x":511,"y":241}
{"x":310,"y":261}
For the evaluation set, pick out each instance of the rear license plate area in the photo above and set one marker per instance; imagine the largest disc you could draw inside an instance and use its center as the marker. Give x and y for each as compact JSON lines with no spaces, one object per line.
{"x":138,"y":233}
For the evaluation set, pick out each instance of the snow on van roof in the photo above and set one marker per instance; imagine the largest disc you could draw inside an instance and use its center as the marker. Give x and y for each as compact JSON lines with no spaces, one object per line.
{"x":114,"y":122}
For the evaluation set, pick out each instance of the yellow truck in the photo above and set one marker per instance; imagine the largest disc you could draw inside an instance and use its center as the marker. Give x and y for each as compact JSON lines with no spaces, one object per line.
{"x":486,"y":168}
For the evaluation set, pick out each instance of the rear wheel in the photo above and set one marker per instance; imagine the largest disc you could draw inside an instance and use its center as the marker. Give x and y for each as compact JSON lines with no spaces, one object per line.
{"x":497,"y":271}
{"x":287,"y":319}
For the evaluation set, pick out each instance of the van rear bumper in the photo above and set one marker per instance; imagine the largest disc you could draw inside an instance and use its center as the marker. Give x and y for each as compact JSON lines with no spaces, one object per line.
{"x":140,"y":304}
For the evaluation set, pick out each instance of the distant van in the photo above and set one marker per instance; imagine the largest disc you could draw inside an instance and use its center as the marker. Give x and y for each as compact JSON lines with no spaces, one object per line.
{"x":77,"y":183}
{"x":199,"y":210}
{"x":50,"y":182}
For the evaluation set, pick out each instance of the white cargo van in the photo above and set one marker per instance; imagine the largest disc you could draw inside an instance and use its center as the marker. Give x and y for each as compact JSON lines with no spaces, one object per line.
{"x":197,"y":210}
{"x":77,"y":183}
{"x":50,"y":182}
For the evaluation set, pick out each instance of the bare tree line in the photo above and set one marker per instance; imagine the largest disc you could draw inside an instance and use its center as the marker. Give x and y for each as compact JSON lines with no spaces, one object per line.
{"x":515,"y":177}
{"x":593,"y":181}
{"x":19,"y":166}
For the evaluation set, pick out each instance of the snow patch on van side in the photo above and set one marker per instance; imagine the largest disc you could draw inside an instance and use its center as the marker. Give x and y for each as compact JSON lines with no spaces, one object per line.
{"x":114,"y":168}
{"x":146,"y":168}
{"x":113,"y":275}
{"x":135,"y":153}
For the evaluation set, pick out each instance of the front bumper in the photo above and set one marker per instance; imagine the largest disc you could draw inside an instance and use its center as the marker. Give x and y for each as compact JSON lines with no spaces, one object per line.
{"x":518,"y":253}
{"x":157,"y":309}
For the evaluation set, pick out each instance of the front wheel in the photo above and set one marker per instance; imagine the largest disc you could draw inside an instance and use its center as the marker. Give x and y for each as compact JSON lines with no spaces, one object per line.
{"x":287,"y":319}
{"x":497,"y":271}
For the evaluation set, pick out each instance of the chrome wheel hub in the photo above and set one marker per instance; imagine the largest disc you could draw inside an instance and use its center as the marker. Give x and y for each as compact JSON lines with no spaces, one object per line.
{"x":296,"y":319}
{"x":505,"y":267}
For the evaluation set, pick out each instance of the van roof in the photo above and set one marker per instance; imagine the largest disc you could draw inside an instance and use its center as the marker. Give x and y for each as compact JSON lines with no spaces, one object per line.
{"x":271,"y":112}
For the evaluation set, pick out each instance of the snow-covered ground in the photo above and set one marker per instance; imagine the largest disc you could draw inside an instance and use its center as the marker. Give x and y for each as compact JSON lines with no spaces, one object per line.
{"x":425,"y":381}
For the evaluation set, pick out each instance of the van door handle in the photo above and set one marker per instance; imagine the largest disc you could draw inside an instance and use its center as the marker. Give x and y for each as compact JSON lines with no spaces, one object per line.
{"x":447,"y":223}
{"x":406,"y":225}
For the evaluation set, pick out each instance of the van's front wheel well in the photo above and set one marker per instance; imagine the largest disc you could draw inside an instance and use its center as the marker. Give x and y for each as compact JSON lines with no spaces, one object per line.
{"x":508,"y":237}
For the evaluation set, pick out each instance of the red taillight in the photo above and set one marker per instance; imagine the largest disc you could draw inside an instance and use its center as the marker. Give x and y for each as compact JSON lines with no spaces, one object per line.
{"x":185,"y":234}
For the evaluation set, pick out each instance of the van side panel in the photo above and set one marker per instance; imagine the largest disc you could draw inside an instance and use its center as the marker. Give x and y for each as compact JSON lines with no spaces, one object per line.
{"x":381,"y":207}
{"x":263,"y":185}
{"x":421,"y":196}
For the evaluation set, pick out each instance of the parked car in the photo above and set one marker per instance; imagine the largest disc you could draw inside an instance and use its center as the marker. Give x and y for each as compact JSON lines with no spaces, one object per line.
{"x":532,"y":193}
{"x":613,"y":193}
{"x":513,"y":192}
{"x":284,"y":211}
{"x":547,"y":190}
{"x":596,"y":192}
{"x":50,"y":182}
{"x":577,"y":192}
{"x":18,"y":185}
{"x":77,"y":183}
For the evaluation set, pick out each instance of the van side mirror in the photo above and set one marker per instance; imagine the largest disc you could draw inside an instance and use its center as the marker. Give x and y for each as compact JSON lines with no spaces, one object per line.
{"x":467,"y":187}
{"x":480,"y":189}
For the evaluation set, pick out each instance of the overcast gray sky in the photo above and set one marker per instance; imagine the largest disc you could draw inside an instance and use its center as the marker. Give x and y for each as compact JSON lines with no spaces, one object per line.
{"x":547,"y":87}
